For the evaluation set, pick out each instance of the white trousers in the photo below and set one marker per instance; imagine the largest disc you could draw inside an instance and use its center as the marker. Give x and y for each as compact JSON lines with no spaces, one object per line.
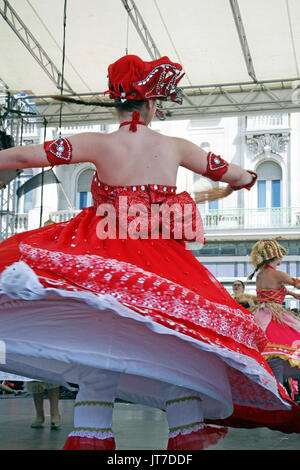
{"x":183,"y":409}
{"x":94,"y":405}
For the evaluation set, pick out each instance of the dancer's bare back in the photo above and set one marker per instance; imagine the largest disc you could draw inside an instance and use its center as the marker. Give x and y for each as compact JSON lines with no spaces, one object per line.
{"x":127,"y":158}
{"x":272,"y":279}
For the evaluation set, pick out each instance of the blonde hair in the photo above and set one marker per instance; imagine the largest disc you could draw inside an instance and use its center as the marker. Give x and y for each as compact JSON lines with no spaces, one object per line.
{"x":264,"y":251}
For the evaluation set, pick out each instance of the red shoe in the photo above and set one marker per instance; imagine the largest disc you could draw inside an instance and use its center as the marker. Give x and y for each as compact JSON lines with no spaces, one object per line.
{"x":197,"y":440}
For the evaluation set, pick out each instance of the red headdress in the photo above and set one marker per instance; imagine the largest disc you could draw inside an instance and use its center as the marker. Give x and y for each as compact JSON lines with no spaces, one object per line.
{"x":130,"y":78}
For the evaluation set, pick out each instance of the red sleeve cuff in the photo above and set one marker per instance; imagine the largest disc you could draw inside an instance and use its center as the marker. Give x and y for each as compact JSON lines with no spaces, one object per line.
{"x":59,"y":151}
{"x":216,"y":167}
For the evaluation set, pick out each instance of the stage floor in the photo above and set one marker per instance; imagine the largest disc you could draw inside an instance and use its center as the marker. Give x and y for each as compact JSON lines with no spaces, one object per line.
{"x":136,"y":427}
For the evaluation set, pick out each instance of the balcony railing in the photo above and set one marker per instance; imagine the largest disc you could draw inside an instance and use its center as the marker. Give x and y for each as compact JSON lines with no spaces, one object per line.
{"x":241,"y":219}
{"x":214,"y":219}
{"x":63,"y":216}
{"x":21,"y":223}
{"x":269,"y":121}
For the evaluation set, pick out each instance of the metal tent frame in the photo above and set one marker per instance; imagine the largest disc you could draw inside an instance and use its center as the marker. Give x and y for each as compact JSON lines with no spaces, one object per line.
{"x":198,"y":101}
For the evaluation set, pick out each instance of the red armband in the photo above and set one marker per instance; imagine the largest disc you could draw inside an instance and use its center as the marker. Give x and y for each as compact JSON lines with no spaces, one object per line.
{"x":246,"y":186}
{"x":59,"y":151}
{"x":216,"y":167}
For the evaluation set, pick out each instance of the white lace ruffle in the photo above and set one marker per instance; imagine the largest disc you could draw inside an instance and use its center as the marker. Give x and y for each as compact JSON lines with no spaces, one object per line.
{"x":187,"y":430}
{"x":19,"y":281}
{"x":91,"y":434}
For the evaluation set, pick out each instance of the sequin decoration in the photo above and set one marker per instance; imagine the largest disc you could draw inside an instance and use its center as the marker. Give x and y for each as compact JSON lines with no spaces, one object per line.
{"x":216,"y":167}
{"x":59,"y":151}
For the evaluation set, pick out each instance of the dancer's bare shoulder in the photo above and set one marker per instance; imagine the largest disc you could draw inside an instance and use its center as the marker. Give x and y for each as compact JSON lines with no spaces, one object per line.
{"x":272,"y":279}
{"x":283,"y":277}
{"x":192,"y":156}
{"x":88,"y":146}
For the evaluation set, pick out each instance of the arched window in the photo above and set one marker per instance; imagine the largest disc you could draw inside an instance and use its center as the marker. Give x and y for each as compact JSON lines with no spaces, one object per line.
{"x":84,"y":196}
{"x":269,"y":185}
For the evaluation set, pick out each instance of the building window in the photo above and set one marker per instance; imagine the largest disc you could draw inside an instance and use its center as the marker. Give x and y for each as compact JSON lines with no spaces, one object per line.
{"x":242,"y":248}
{"x":269,"y":185}
{"x":84,"y":199}
{"x":220,"y":270}
{"x":261,"y":194}
{"x":213,"y":204}
{"x":275,"y":193}
{"x":84,"y":196}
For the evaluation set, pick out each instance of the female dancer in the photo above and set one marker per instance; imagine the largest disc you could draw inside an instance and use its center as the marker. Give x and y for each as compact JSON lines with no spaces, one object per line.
{"x":114,"y":301}
{"x":281,"y":326}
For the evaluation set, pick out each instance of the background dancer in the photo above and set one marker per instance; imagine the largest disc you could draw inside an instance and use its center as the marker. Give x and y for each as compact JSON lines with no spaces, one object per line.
{"x":137,"y":318}
{"x":281,"y":325}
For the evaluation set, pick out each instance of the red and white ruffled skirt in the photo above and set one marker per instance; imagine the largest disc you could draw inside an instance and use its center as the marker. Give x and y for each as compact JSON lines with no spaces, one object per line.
{"x":145,"y":311}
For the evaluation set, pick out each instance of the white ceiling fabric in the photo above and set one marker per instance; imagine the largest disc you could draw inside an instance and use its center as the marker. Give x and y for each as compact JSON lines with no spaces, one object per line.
{"x":199,"y":34}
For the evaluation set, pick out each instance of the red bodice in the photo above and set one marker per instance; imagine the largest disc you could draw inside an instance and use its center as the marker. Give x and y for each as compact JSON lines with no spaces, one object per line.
{"x":153,"y":193}
{"x":272,"y":295}
{"x":157,"y":208}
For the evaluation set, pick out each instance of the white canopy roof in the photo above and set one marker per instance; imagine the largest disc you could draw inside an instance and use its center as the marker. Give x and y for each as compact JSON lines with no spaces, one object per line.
{"x":218,"y":42}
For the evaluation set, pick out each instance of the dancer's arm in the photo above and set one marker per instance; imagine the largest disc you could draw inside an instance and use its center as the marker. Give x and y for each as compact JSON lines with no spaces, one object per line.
{"x":286,"y":279}
{"x":194,"y":158}
{"x":85,"y":148}
{"x":293,"y":294}
{"x":6,"y":388}
{"x":296,"y":295}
